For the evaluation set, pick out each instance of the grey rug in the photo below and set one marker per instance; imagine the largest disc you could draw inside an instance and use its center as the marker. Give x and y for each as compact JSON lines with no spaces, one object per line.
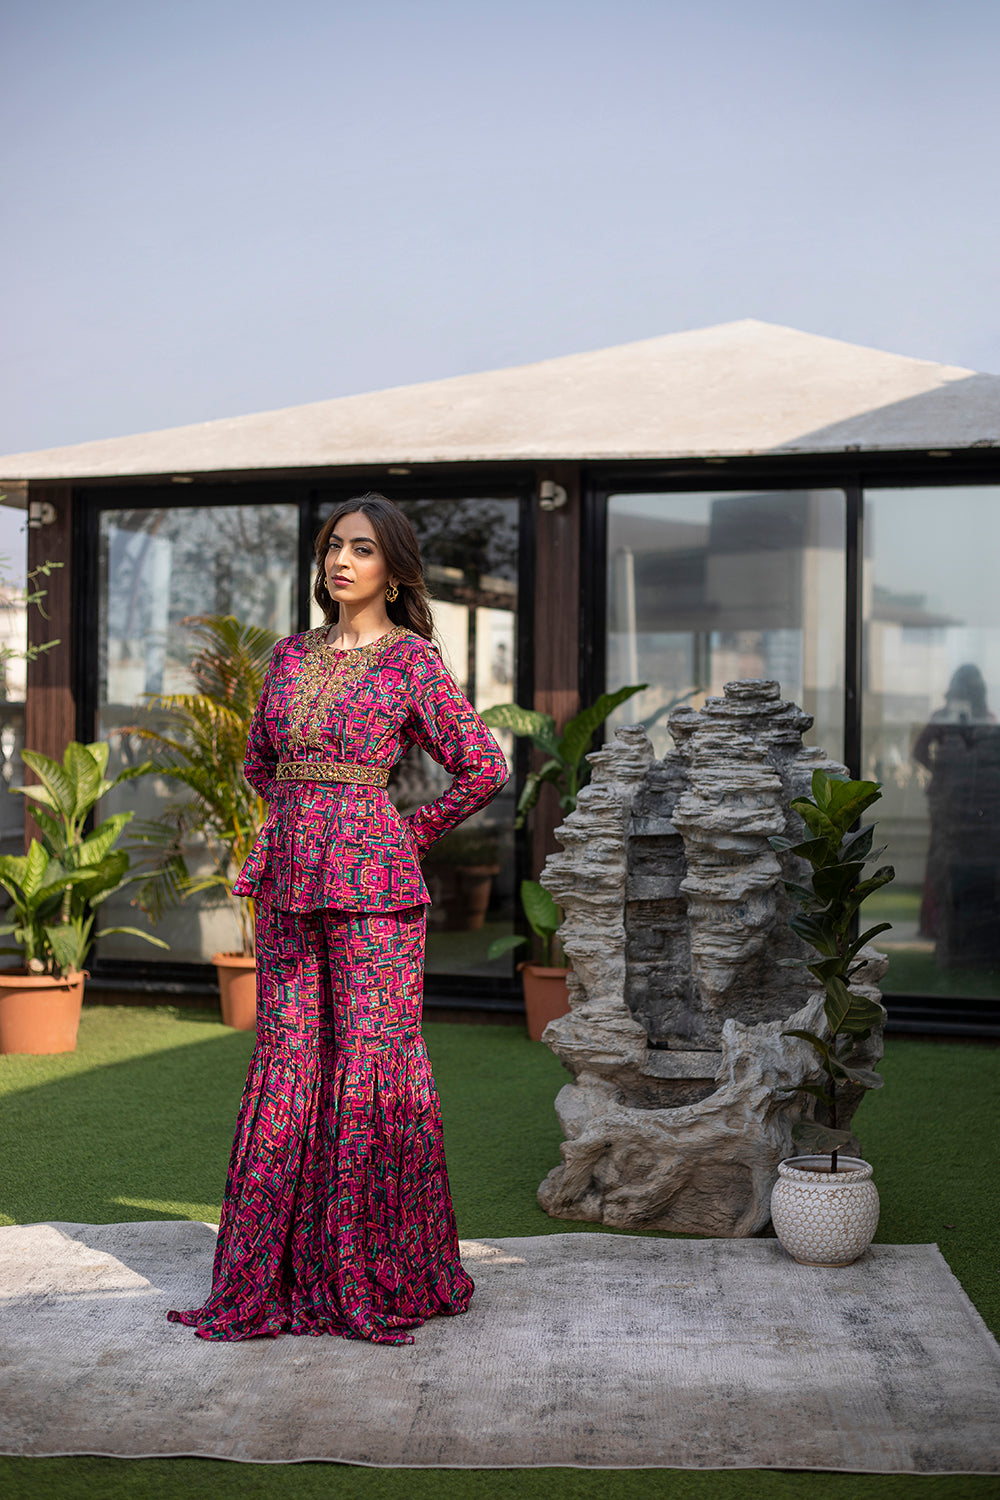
{"x":589,"y":1350}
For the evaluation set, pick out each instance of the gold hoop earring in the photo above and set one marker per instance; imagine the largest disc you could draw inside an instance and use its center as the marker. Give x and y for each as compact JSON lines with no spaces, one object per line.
{"x":391,"y":593}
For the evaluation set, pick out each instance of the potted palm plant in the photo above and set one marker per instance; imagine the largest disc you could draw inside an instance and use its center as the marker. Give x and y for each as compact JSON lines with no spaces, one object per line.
{"x":199,"y":743}
{"x":825,"y":1206}
{"x":545,"y":990}
{"x":55,"y":890}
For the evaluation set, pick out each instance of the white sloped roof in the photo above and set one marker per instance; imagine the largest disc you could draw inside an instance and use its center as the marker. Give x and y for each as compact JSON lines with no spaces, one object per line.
{"x":735,"y":389}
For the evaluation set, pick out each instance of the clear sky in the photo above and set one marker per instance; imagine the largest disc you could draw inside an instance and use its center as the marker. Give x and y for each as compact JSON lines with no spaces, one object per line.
{"x":220,"y":206}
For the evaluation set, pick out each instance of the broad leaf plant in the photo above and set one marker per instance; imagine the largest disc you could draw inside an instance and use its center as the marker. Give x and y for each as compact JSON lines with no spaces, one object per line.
{"x":56,"y":888}
{"x":562,"y":770}
{"x":564,"y":751}
{"x":544,"y":918}
{"x":827,"y":910}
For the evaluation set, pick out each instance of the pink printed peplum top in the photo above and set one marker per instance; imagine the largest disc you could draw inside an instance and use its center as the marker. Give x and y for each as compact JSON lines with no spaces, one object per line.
{"x":341,"y":844}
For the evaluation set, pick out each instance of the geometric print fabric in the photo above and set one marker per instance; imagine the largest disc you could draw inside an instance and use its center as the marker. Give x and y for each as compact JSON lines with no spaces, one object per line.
{"x":337,"y":1216}
{"x":342,"y":844}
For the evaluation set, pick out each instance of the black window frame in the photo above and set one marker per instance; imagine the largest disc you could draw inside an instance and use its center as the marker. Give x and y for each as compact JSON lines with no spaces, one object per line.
{"x":308,"y":493}
{"x":958,"y":1015}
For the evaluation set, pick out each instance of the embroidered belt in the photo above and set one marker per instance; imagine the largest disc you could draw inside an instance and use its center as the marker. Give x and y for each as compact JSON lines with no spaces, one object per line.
{"x":332,"y":770}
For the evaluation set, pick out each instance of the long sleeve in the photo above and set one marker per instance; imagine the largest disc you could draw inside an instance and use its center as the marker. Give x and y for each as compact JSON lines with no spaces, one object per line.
{"x":342,"y":844}
{"x":261,"y":755}
{"x":443,"y":722}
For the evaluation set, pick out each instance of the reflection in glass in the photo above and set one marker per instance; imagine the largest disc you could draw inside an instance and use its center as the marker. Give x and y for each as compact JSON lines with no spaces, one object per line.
{"x":930,"y":733}
{"x":13,"y":670}
{"x":705,"y":588}
{"x":469,"y":548}
{"x":158,"y":566}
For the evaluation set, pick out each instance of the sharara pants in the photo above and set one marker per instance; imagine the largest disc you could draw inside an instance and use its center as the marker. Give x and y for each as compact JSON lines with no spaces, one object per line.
{"x":337,"y":1215}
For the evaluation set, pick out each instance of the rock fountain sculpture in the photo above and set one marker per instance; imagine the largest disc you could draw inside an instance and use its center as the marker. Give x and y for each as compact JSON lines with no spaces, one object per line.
{"x":676,"y":928}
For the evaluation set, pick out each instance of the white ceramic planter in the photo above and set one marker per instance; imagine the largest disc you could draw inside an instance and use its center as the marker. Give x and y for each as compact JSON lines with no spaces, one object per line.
{"x":825,"y":1218}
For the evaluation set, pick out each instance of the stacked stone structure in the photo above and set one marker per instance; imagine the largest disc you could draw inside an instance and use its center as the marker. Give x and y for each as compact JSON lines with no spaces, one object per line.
{"x":683,"y":972}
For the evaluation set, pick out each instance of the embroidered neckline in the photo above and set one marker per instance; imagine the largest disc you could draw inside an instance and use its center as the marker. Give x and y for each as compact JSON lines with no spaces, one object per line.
{"x":325,"y":673}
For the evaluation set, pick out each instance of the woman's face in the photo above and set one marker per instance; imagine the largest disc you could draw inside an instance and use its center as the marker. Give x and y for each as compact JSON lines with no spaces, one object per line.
{"x":356,"y":569}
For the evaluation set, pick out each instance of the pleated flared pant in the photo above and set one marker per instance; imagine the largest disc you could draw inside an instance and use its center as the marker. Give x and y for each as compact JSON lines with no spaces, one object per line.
{"x":337,"y":1216}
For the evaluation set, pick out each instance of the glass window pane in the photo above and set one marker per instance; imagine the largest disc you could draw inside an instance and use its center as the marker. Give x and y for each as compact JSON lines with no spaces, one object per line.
{"x":13,"y":669}
{"x":930,"y":733}
{"x":157,"y":566}
{"x":469,"y":548}
{"x":706,"y":588}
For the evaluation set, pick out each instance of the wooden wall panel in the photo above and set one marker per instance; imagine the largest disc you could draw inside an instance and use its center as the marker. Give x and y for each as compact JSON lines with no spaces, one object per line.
{"x":50,"y":707}
{"x":556,"y":632}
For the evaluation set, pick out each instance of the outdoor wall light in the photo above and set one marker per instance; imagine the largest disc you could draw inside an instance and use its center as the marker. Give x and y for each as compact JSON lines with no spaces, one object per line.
{"x":551,"y":495}
{"x":40,"y":513}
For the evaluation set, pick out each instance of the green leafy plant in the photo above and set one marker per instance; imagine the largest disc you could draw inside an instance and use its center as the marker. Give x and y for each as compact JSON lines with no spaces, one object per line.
{"x":57,"y":886}
{"x":543,"y":915}
{"x":828,"y":906}
{"x":201,"y":746}
{"x":562,"y":770}
{"x":564,"y":751}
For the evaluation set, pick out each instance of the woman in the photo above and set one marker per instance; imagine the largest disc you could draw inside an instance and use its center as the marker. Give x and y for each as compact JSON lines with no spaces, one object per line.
{"x":337,"y":1215}
{"x":960,"y":880}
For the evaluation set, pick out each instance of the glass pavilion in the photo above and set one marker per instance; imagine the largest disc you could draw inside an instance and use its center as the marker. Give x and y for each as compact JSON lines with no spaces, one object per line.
{"x":739,"y":501}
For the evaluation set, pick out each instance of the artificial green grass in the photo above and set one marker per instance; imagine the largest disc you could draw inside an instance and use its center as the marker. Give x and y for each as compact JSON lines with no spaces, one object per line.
{"x":163,"y":1479}
{"x":137,"y":1124}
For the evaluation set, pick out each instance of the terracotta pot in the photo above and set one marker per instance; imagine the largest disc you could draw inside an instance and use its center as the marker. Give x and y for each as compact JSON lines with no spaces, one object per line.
{"x":39,"y":1013}
{"x":237,"y":989}
{"x":545,"y":996}
{"x":824,"y":1218}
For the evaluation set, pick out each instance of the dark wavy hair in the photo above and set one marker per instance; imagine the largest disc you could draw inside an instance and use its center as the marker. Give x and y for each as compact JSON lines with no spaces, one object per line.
{"x":401,"y":549}
{"x":967,"y":683}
